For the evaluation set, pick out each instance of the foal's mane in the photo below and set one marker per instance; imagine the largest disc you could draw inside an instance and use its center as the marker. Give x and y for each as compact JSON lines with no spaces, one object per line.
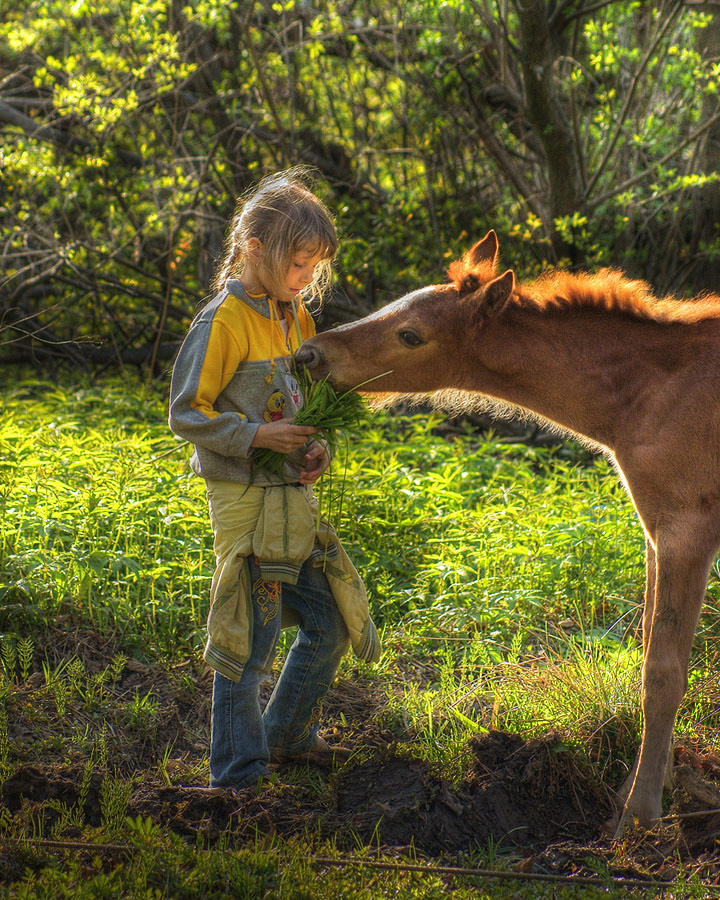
{"x":558,"y":290}
{"x":612,"y":290}
{"x":607,"y":289}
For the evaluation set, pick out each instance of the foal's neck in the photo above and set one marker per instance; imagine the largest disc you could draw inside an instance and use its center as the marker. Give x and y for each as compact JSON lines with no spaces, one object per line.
{"x":578,"y":368}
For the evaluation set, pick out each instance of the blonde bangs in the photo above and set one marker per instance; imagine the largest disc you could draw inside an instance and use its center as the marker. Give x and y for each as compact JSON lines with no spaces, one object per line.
{"x":309,"y":230}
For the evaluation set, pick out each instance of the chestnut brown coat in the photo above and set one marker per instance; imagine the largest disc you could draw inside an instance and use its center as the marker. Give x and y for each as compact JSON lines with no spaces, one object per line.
{"x":601,"y":357}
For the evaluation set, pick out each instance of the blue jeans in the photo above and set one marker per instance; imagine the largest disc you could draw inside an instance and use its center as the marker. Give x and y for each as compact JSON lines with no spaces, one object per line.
{"x":242,"y":736}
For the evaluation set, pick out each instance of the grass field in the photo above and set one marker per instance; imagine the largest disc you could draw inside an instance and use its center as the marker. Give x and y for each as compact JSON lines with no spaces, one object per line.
{"x":506,"y":581}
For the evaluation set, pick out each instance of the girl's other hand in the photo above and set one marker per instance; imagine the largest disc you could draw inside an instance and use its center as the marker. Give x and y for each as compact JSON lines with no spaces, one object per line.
{"x":317,"y":459}
{"x":282,"y":436}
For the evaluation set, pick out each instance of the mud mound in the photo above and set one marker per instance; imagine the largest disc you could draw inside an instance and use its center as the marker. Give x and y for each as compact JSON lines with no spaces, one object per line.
{"x":186,"y":810}
{"x":696,"y":802}
{"x":525,"y":794}
{"x":539,"y":791}
{"x":32,"y":785}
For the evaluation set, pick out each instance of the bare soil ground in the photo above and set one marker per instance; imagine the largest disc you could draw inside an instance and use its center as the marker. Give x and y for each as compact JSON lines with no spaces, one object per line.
{"x":538,"y":798}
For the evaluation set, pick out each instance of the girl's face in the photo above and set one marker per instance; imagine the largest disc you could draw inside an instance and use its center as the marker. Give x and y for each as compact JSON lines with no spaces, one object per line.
{"x":300,"y":273}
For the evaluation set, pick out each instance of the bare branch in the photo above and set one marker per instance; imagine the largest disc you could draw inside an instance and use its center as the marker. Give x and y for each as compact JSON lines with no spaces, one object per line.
{"x":649,"y":53}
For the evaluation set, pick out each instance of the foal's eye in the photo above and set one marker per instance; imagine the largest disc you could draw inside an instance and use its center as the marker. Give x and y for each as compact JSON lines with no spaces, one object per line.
{"x":410,"y":339}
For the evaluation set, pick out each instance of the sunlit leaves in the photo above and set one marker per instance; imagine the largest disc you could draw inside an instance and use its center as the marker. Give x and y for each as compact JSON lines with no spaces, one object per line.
{"x":156,"y":116}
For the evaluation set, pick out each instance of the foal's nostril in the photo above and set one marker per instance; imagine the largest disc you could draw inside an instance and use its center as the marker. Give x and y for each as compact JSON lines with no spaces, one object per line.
{"x":308,"y":356}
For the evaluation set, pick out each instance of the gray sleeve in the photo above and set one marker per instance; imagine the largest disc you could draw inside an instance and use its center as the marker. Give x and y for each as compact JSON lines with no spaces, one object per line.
{"x":227,"y":433}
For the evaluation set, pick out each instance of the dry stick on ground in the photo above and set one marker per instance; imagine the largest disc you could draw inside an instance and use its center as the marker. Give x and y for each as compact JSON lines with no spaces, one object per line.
{"x":453,"y":871}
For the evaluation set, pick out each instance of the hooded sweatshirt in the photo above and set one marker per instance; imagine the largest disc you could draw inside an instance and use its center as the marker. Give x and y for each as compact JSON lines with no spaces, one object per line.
{"x":233,"y":373}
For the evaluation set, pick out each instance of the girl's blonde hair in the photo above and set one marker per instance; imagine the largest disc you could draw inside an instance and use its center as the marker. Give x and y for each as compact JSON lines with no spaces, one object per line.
{"x":284,"y":214}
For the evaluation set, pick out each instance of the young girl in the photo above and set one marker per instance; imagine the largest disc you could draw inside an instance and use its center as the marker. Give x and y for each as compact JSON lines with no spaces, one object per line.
{"x":233,"y":390}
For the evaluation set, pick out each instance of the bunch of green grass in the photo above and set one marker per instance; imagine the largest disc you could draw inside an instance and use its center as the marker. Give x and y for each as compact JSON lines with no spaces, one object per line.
{"x":336,"y":416}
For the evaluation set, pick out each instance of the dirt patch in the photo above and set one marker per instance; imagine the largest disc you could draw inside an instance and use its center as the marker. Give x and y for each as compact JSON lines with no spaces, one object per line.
{"x":537,"y":798}
{"x":525,"y":794}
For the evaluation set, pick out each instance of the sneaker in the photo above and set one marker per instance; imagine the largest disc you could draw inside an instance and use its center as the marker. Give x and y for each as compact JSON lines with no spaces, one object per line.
{"x":201,"y":790}
{"x":256,"y":787}
{"x":322,"y":754}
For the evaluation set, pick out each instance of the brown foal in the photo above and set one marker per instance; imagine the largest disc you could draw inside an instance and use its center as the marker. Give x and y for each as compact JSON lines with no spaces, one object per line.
{"x":602,"y":358}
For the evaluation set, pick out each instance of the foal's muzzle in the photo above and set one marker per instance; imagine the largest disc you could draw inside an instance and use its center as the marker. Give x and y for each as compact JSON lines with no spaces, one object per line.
{"x":308,"y":356}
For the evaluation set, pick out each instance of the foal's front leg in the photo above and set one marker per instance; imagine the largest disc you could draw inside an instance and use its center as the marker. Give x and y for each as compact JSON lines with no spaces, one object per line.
{"x":648,"y":609}
{"x":683,"y":558}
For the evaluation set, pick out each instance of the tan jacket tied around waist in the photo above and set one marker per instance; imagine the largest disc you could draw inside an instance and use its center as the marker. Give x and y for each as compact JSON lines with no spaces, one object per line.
{"x":281,"y":527}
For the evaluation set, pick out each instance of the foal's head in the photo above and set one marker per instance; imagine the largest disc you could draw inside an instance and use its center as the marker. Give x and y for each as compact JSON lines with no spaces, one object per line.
{"x":419,"y":343}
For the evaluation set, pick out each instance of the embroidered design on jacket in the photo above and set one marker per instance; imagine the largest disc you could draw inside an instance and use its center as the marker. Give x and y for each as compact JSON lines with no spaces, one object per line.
{"x":267,"y":595}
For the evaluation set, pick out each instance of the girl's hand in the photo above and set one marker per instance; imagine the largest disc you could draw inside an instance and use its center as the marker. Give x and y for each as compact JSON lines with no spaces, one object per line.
{"x":282,"y":436}
{"x":317,"y":459}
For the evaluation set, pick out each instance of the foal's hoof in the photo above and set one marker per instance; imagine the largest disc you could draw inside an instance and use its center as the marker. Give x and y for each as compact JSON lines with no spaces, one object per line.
{"x":609,"y":827}
{"x":614,"y":828}
{"x":625,"y":819}
{"x":631,"y":820}
{"x":622,"y":824}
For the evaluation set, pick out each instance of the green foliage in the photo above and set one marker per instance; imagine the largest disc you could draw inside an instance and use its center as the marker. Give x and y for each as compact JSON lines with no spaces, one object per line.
{"x":177,"y":872}
{"x":504,"y":552}
{"x":130,"y":129}
{"x":101,"y":519}
{"x":81,"y":519}
{"x":114,"y":796}
{"x":478,"y":535}
{"x":337,"y":416}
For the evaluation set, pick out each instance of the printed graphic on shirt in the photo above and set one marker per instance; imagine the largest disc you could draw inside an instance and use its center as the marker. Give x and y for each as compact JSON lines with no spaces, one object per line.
{"x":294,"y":391}
{"x":275,"y":407}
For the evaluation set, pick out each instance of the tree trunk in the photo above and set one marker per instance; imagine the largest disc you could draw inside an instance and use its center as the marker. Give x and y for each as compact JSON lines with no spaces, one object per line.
{"x":545,"y":109}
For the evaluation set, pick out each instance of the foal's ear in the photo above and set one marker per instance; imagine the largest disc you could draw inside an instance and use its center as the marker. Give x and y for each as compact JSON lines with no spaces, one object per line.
{"x":485,"y":250}
{"x":476,"y":265}
{"x":497,"y":293}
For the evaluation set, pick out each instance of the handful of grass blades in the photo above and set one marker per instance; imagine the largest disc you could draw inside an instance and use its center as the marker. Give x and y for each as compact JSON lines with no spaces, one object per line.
{"x":334,"y":414}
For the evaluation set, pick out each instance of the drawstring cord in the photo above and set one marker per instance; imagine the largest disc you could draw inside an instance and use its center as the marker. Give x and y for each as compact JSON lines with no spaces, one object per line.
{"x":296,"y":319}
{"x":273,"y":318}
